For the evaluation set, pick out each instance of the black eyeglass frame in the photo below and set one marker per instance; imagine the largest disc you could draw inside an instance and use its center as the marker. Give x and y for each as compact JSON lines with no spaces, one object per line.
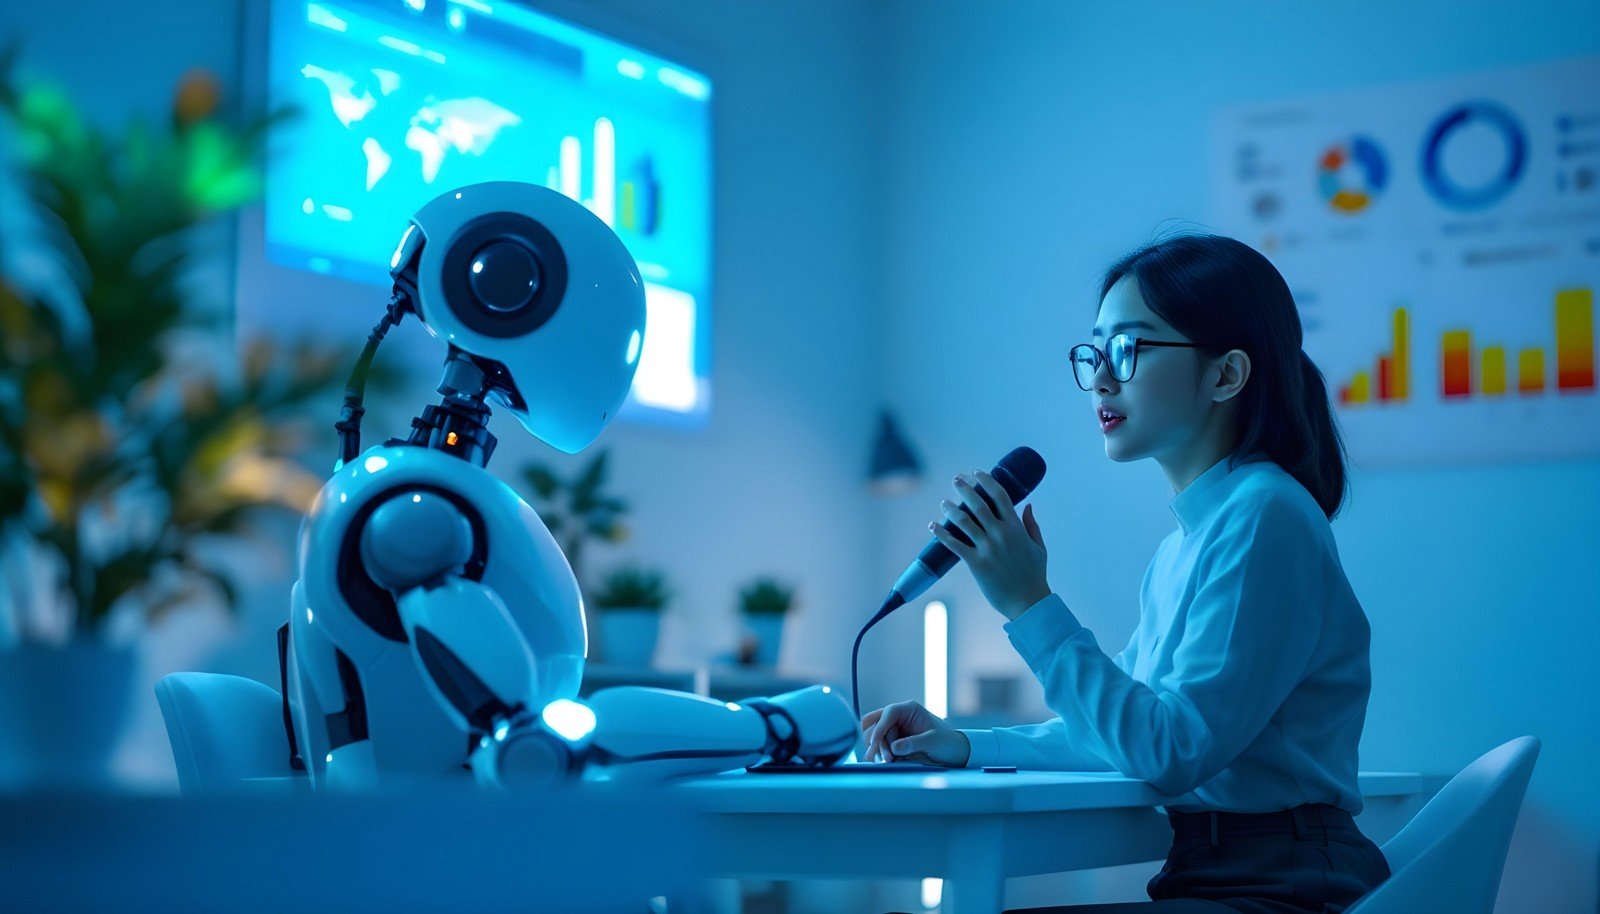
{"x":1133,"y":363}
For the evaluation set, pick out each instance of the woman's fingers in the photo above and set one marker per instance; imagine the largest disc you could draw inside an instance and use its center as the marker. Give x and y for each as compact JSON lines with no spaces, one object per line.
{"x":962,"y":550}
{"x":891,"y":725}
{"x":975,"y":503}
{"x":1032,"y":526}
{"x":960,"y":520}
{"x":870,"y":718}
{"x":875,"y":740}
{"x":915,"y":743}
{"x":996,"y":491}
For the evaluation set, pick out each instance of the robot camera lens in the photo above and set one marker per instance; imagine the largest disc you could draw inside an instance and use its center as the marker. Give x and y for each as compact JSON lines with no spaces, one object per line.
{"x":505,"y":276}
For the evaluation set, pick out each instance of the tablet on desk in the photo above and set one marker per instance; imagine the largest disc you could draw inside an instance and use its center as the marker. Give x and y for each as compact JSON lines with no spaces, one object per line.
{"x":851,"y":768}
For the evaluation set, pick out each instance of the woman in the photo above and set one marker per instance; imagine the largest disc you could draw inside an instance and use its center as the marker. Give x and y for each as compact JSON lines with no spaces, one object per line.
{"x":1243,"y":691}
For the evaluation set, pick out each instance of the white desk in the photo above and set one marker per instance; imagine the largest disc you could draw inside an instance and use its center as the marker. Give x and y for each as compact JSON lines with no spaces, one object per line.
{"x":972,"y":829}
{"x":595,"y":849}
{"x":278,"y":851}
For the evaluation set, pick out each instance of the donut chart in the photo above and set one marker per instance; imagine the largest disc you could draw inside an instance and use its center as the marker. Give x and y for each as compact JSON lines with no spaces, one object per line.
{"x":1451,"y":191}
{"x":1351,"y":175}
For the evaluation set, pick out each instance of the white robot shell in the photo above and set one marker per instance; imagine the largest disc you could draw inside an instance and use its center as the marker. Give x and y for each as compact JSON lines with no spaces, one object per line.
{"x":527,"y":277}
{"x":333,"y":612}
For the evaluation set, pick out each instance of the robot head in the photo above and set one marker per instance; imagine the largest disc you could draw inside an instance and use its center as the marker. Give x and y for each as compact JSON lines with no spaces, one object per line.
{"x":540,"y":290}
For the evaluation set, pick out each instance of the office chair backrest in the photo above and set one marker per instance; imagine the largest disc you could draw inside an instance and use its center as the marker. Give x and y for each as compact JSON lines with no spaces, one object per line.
{"x":223,"y":730}
{"x":1451,"y":855}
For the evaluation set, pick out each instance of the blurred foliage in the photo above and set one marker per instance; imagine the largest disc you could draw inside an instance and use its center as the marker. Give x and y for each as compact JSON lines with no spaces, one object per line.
{"x":577,"y":511}
{"x":766,"y":597}
{"x":633,"y":588}
{"x":115,"y":451}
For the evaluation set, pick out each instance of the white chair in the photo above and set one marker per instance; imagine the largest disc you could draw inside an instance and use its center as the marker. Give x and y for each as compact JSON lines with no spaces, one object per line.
{"x":1450,"y":856}
{"x":225,"y":731}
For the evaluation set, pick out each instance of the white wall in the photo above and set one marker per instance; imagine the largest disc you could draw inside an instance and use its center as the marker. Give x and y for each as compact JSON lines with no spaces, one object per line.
{"x":1030,"y":143}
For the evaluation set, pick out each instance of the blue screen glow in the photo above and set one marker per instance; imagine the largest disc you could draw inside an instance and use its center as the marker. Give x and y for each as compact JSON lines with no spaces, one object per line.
{"x":401,"y":100}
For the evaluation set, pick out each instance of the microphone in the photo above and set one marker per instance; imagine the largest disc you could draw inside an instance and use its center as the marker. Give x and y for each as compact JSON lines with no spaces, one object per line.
{"x":1019,"y":473}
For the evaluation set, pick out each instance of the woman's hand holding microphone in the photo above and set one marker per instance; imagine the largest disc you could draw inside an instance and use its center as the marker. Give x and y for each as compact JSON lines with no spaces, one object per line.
{"x":1007,"y":555}
{"x":1007,"y":559}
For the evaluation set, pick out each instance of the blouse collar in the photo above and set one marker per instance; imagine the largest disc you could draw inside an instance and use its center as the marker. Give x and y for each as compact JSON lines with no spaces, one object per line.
{"x":1202,"y":496}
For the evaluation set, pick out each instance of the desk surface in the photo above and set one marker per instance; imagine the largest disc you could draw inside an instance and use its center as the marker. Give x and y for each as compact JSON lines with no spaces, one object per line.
{"x":270,"y":851}
{"x":963,"y":791}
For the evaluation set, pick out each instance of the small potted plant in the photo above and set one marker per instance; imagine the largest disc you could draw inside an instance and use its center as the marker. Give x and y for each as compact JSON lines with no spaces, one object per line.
{"x":629,"y":605}
{"x":764,"y":605}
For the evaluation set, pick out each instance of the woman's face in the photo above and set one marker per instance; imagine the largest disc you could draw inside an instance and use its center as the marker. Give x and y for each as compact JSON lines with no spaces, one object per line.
{"x":1163,"y":406}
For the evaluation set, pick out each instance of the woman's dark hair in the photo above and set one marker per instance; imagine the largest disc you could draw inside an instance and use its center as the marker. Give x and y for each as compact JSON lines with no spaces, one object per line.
{"x":1224,"y":295}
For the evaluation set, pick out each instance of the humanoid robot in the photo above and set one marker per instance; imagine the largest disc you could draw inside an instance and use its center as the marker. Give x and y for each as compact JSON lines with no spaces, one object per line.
{"x":436,"y":624}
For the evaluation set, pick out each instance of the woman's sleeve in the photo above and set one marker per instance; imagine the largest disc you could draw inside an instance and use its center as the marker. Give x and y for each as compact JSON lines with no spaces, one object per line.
{"x":1249,"y":633}
{"x":1041,"y":747}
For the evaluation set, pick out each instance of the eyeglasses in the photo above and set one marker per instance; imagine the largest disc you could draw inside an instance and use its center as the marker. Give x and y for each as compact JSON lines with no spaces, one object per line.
{"x":1121,"y":353}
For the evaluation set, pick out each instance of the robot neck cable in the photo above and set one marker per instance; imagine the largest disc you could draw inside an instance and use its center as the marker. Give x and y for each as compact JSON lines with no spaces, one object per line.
{"x":355,"y":389}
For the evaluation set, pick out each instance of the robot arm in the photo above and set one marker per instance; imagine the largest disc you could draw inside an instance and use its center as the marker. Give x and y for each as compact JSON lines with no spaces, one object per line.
{"x":639,"y":732}
{"x":479,"y":667}
{"x":468,"y":649}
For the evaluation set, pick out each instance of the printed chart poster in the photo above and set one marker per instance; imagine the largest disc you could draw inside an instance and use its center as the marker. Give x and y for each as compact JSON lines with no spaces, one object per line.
{"x":1442,"y":240}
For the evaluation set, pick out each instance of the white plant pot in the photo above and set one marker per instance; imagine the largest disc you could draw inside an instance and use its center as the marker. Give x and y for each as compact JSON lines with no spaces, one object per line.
{"x":628,"y":636}
{"x":768,"y":631}
{"x":62,"y":712}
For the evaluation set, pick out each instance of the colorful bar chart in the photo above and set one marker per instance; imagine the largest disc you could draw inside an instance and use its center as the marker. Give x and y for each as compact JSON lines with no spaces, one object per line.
{"x":1457,"y":367}
{"x":1575,"y":339}
{"x":1468,"y":368}
{"x":1574,"y":323}
{"x":1391,"y":371}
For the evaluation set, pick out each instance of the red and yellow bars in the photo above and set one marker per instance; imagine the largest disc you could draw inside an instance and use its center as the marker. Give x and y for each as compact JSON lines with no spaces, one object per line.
{"x":1492,"y":379}
{"x":1457,"y":363}
{"x":1575,"y":339}
{"x":1400,"y":361}
{"x":1390,"y":377}
{"x":1530,"y":371}
{"x":1359,"y":390}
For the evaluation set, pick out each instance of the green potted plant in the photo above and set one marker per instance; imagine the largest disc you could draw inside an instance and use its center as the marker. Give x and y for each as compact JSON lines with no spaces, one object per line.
{"x":629,"y":604}
{"x":765,"y":604}
{"x":123,"y":456}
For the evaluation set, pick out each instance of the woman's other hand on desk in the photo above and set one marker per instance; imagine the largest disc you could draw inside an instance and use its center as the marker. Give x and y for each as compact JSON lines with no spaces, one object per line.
{"x":906,"y":731}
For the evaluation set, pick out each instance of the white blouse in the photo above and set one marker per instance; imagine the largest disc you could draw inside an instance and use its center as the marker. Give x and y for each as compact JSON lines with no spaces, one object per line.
{"x":1244,"y":687}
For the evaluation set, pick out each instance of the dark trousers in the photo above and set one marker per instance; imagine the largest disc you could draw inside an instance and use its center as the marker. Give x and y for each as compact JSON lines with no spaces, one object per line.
{"x":1307,"y":859}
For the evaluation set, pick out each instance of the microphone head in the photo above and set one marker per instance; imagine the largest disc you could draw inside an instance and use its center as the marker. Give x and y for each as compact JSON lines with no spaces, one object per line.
{"x":1019,"y":472}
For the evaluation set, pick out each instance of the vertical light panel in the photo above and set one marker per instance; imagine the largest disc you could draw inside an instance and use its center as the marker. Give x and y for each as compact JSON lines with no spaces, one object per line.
{"x":605,"y":171}
{"x":932,"y":893}
{"x":572,"y":167}
{"x":936,"y":659}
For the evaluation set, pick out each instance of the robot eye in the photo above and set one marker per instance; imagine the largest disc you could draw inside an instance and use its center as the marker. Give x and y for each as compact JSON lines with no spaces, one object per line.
{"x":505,"y":276}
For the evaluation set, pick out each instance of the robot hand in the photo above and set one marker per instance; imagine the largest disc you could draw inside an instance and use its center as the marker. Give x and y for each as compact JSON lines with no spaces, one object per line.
{"x":639,"y":732}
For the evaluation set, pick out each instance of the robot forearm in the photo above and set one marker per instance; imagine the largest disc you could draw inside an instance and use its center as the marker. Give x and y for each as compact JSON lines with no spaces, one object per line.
{"x":634,"y":731}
